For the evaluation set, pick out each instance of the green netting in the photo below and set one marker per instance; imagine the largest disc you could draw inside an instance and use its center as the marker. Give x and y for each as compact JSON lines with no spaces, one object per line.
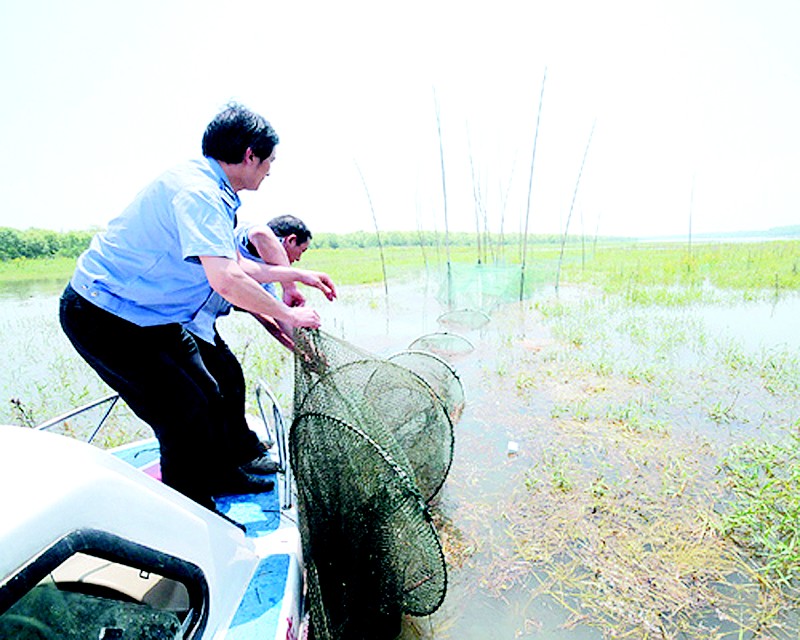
{"x":370,"y":444}
{"x":318,"y":353}
{"x":485,"y":286}
{"x":441,"y":377}
{"x":367,"y":530}
{"x":442,"y":343}
{"x":464,"y":319}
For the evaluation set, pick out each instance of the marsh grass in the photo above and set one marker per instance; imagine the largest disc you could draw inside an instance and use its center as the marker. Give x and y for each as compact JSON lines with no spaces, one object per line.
{"x":764,"y":514}
{"x":666,"y":274}
{"x":652,"y":500}
{"x":48,"y":269}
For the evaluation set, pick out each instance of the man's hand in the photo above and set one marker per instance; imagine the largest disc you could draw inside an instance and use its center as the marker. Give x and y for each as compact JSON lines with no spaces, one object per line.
{"x":292,"y":296}
{"x":304,"y":317}
{"x":318,"y":280}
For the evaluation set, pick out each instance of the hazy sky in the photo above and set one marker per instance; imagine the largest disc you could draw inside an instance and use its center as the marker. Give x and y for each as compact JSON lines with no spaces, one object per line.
{"x":695,"y":105}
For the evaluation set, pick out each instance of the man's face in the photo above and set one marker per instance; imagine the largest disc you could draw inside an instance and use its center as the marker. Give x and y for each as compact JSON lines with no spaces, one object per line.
{"x":294,"y":250}
{"x":257,"y":170}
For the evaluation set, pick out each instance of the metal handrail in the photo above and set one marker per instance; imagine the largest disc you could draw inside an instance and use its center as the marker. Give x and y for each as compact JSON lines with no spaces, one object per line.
{"x":279,"y":438}
{"x":112,"y":398}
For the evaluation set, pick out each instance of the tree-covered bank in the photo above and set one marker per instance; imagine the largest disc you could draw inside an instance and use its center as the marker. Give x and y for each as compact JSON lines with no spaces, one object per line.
{"x":42,"y":243}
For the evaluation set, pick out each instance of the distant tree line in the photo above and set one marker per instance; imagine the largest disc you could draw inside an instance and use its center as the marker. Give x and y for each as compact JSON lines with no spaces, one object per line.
{"x":363,"y":239}
{"x":43,"y":243}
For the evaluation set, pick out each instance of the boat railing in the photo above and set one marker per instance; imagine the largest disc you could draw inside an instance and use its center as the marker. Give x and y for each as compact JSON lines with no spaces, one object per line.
{"x":111,"y":399}
{"x":276,"y":436}
{"x":267,"y":405}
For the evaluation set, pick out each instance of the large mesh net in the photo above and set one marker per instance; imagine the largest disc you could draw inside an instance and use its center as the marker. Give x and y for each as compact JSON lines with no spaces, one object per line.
{"x":439,"y":375}
{"x":486,"y":286}
{"x":443,"y":343}
{"x":371,"y":443}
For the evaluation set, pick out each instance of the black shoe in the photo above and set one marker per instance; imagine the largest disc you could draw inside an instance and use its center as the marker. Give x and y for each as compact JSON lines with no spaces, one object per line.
{"x":237,"y":482}
{"x":261,"y":466}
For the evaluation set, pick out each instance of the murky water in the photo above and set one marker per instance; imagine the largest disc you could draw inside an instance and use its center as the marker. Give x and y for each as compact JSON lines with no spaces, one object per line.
{"x":501,"y":434}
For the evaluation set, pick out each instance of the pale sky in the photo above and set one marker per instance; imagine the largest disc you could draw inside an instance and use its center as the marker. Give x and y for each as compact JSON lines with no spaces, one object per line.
{"x":101,"y":96}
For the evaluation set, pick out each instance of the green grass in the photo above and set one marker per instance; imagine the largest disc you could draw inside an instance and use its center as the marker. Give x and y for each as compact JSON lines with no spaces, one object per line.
{"x":632,"y":268}
{"x":646,"y":273}
{"x":655,"y":502}
{"x":22,"y":270}
{"x":764,"y":514}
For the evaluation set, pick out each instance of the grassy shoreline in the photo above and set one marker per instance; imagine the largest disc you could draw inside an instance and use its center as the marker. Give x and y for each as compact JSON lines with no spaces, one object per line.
{"x":618,"y":267}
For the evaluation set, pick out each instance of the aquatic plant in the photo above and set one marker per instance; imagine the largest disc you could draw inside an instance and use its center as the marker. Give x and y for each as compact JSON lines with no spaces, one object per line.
{"x":763,"y":515}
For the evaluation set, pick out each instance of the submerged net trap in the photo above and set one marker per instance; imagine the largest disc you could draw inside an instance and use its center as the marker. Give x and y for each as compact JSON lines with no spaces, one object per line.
{"x":443,"y":343}
{"x":371,"y":443}
{"x":464,"y":319}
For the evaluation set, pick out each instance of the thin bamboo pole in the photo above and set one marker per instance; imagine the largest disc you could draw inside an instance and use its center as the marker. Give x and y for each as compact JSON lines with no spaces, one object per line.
{"x":444,"y":196}
{"x":530,"y":188}
{"x":571,"y":206}
{"x":691,"y":211}
{"x":377,"y":233}
{"x":476,"y":197}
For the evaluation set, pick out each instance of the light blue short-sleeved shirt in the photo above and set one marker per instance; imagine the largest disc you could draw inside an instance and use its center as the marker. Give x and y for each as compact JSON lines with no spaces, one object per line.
{"x":145,"y":268}
{"x":202,"y":325}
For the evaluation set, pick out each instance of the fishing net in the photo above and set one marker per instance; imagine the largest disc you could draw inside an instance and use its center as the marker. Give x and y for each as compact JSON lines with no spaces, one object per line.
{"x":371,"y":443}
{"x":441,"y":377}
{"x":443,"y":343}
{"x":464,"y":319}
{"x":486,"y":286}
{"x":397,"y":409}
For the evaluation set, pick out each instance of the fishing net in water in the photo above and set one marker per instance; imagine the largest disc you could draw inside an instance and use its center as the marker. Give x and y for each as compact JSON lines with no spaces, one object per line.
{"x":486,"y":286}
{"x":443,"y":343}
{"x":371,"y":443}
{"x":464,"y":319}
{"x":367,"y":531}
{"x":441,"y":377}
{"x":395,"y":408}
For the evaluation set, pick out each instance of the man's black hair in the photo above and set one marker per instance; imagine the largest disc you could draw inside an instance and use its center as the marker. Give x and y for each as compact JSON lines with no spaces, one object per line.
{"x":284,"y":226}
{"x":233,"y":130}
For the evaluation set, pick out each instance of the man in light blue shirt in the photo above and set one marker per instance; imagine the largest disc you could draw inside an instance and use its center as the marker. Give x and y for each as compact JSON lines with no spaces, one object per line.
{"x":149,"y":273}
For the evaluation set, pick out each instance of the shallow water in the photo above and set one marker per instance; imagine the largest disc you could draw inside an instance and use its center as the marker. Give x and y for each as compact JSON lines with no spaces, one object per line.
{"x":757,"y":326}
{"x":486,"y":598}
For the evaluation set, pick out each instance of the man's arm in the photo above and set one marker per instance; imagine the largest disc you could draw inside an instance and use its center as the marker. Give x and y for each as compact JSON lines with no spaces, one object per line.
{"x":271,"y":250}
{"x":278,"y":330}
{"x":268,"y":246}
{"x":274,"y":273}
{"x":229,"y":280}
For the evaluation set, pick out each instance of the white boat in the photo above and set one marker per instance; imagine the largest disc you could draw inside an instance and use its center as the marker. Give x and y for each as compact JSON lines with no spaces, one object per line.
{"x":95,"y":546}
